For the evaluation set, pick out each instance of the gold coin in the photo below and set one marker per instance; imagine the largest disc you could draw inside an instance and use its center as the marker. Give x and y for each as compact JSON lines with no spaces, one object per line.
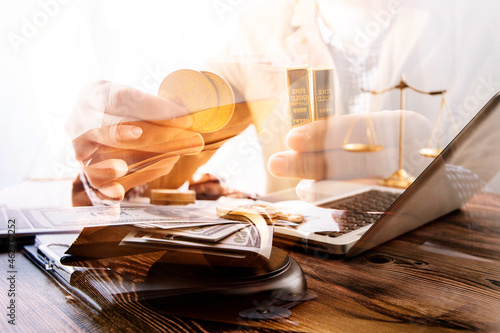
{"x":226,"y":104}
{"x":268,"y":212}
{"x":290,"y":217}
{"x":278,"y":213}
{"x":172,"y":197}
{"x":243,"y":213}
{"x":194,"y":91}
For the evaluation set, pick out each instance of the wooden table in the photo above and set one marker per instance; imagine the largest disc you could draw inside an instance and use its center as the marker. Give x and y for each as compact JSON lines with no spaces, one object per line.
{"x":444,"y":276}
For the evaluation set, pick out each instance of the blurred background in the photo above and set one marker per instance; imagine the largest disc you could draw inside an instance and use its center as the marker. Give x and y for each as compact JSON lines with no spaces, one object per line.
{"x":49,"y":49}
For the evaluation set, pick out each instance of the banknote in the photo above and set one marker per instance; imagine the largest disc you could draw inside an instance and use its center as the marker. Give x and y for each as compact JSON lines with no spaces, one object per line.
{"x":210,"y":233}
{"x":60,"y":218}
{"x":248,"y":239}
{"x":169,"y":225}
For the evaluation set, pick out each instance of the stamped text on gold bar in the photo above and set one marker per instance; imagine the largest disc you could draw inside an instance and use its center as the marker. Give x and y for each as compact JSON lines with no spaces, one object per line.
{"x":324,"y":97}
{"x":299,"y":96}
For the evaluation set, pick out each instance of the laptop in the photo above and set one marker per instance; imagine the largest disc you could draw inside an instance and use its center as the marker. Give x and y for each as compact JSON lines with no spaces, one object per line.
{"x":460,"y":171}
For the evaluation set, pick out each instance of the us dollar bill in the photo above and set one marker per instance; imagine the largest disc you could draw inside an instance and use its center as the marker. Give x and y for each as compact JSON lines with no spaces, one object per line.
{"x":209,"y":233}
{"x":248,"y":239}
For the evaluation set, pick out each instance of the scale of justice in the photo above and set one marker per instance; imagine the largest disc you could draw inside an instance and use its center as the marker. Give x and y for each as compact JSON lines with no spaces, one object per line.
{"x":401,"y":178}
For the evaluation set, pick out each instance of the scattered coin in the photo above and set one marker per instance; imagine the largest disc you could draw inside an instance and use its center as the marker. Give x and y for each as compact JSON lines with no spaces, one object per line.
{"x":241,"y":213}
{"x":269,"y":213}
{"x":280,"y":214}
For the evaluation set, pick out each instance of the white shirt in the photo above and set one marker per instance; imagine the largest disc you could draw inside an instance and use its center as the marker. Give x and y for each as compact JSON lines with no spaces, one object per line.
{"x":422,"y":41}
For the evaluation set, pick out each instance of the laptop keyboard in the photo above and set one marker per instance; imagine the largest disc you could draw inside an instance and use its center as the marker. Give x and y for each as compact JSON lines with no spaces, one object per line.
{"x":360,"y":210}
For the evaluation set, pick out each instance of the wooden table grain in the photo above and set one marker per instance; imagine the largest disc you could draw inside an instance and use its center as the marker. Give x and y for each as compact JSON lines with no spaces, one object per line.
{"x":444,"y":276}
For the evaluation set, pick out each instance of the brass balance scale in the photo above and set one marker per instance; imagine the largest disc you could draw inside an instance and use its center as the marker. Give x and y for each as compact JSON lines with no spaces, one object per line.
{"x":401,"y":178}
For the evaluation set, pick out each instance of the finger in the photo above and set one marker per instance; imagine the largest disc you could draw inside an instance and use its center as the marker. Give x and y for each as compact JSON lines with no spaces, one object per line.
{"x":134,"y":158}
{"x":105,"y":171}
{"x":378,"y":127}
{"x":308,"y":137}
{"x":109,"y":120}
{"x":291,"y":164}
{"x":103,"y":103}
{"x":129,"y":102}
{"x":117,"y":136}
{"x":111,"y":191}
{"x":331,"y":133}
{"x":116,"y":190}
{"x":130,"y":157}
{"x":148,"y":173}
{"x":180,"y":122}
{"x":110,"y":141}
{"x":333,"y":164}
{"x":161,"y":139}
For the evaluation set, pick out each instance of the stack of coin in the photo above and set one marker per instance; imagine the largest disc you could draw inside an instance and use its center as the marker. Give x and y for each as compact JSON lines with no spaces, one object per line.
{"x":207,"y":96}
{"x":172,"y":197}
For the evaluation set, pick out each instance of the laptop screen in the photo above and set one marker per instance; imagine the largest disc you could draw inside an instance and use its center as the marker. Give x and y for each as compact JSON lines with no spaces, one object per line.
{"x":464,"y":167}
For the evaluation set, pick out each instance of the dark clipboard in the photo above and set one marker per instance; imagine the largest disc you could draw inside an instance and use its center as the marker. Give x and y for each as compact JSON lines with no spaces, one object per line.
{"x":48,"y":260}
{"x":196,"y":293}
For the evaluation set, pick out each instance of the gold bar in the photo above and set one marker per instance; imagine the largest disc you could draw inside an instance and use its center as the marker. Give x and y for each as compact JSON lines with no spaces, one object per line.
{"x":324,"y":93}
{"x":299,"y":96}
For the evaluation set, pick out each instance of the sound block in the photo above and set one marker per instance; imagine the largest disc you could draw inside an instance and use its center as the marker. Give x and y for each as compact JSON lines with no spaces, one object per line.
{"x":220,"y":288}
